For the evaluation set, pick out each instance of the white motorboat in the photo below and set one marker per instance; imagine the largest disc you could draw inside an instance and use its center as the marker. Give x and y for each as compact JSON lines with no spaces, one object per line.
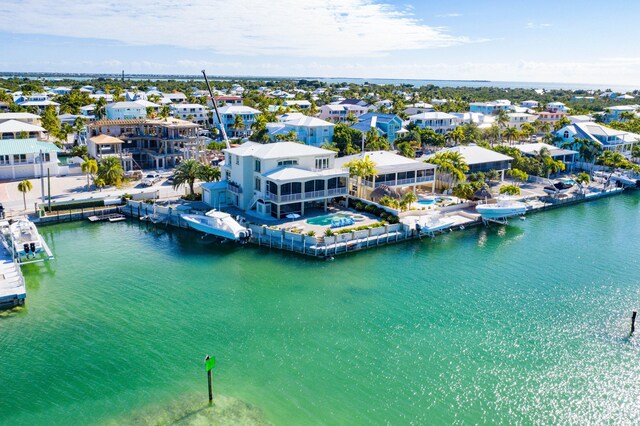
{"x":219,"y":224}
{"x":559,"y":187}
{"x":25,"y":237}
{"x":430,"y":223}
{"x":504,"y":207}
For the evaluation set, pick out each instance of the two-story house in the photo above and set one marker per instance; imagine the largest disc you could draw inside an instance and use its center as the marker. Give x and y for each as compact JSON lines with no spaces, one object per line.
{"x":439,"y":122}
{"x":233,"y":126}
{"x":310,"y":130}
{"x":125,"y":111}
{"x":282,"y":178}
{"x":606,"y":137}
{"x":489,"y":108}
{"x":192,"y":112}
{"x":388,"y":124}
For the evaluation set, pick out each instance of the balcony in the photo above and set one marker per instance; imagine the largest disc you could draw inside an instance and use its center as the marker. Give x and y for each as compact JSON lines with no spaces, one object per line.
{"x":234,"y":187}
{"x":304,"y":196}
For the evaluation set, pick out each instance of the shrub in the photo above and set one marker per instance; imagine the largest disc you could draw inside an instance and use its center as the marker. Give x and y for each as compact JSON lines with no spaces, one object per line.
{"x":329,"y":233}
{"x":311,"y":234}
{"x":393,"y":219}
{"x":360,"y":206}
{"x":370,"y":208}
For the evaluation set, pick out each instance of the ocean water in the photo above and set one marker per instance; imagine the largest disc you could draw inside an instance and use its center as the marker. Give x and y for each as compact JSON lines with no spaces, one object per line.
{"x":526,"y":323}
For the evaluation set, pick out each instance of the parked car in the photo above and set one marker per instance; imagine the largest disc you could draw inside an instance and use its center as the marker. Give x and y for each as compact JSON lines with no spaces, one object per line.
{"x":151,"y":178}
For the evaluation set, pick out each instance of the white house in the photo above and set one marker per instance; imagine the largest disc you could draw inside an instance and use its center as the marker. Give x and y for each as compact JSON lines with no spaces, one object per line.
{"x":125,"y":111}
{"x":228,"y":114}
{"x":14,"y":129}
{"x":300,"y":104}
{"x":480,"y":120}
{"x":278,"y":179}
{"x":25,"y":117}
{"x":21,"y":159}
{"x":479,"y":159}
{"x":517,"y":119}
{"x":310,"y":130}
{"x":614,"y":113}
{"x":393,"y":170}
{"x":196,"y":112}
{"x":530,"y":104}
{"x":557,"y":107}
{"x":439,"y":122}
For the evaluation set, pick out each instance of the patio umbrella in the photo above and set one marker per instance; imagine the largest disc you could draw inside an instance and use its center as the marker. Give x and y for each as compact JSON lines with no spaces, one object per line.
{"x":293,"y":216}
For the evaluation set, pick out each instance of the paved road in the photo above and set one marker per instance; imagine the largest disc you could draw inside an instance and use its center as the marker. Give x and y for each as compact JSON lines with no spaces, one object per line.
{"x":74,"y":187}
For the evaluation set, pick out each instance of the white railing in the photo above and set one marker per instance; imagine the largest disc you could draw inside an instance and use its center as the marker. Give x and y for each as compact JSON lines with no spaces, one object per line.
{"x":337,"y":191}
{"x":314,"y":194}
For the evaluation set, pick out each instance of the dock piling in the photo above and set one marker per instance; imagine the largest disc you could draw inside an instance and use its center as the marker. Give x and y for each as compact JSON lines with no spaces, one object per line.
{"x":633,"y":322}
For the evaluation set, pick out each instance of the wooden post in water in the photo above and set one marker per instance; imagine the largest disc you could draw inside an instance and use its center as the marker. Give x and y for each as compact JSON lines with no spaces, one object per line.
{"x":206,"y":363}
{"x":633,"y":322}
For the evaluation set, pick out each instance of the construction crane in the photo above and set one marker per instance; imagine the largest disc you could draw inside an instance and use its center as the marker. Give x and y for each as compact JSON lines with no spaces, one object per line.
{"x":215,"y":108}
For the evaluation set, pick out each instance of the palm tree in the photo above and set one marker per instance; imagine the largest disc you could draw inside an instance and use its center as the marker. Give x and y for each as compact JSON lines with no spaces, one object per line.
{"x":164,"y":112}
{"x":362,"y":168}
{"x":186,"y":174}
{"x":89,"y":167}
{"x":502,"y":119}
{"x":238,"y":124}
{"x":351,"y":119}
{"x":100,"y":183}
{"x":110,"y":170}
{"x":456,"y":135}
{"x":24,"y":187}
{"x":527,"y":131}
{"x":209,"y":173}
{"x":511,"y":133}
{"x":99,"y":109}
{"x":583,"y":179}
{"x":78,"y":125}
{"x":451,"y":164}
{"x":409,"y":198}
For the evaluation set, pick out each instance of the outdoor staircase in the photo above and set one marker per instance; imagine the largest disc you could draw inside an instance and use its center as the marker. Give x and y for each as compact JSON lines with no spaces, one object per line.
{"x":253,"y":201}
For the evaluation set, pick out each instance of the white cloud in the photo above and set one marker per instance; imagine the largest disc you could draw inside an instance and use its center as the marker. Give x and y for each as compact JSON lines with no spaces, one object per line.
{"x":310,"y":28}
{"x":535,"y":26}
{"x":449,"y":15}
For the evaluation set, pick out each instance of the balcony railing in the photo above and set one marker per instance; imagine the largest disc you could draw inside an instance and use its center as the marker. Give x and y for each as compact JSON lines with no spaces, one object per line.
{"x":304,"y":196}
{"x":236,"y":189}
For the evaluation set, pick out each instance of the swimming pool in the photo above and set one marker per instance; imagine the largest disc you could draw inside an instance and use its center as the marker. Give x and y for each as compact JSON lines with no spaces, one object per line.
{"x":326,"y":220}
{"x":431,"y":201}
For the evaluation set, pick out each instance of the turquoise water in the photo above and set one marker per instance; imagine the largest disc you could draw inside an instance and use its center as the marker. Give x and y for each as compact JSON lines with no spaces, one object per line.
{"x":525,"y":323}
{"x":326,"y":220}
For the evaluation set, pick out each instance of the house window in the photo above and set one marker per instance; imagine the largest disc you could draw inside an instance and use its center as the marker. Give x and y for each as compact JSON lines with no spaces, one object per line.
{"x":287,"y":163}
{"x":566,"y":134}
{"x":4,"y":159}
{"x":237,"y":159}
{"x":19,"y":158}
{"x":322,"y":163}
{"x":228,"y":176}
{"x":258,"y":184}
{"x":257,"y":166}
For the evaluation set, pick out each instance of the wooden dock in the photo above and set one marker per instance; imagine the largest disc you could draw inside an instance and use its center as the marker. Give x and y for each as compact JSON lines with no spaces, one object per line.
{"x":111,"y":217}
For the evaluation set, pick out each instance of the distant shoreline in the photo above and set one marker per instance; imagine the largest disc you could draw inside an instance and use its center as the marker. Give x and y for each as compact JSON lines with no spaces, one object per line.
{"x":328,"y":80}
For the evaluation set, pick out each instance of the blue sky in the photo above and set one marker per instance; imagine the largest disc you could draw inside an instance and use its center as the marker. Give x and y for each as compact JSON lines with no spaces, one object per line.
{"x":548,"y":41}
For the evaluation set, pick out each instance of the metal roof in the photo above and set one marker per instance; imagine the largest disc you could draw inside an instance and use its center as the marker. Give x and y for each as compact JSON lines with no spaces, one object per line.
{"x":25,"y":146}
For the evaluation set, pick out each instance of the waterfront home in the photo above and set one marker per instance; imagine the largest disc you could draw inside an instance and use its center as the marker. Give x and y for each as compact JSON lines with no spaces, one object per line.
{"x":439,"y":122}
{"x":25,"y":117}
{"x":608,"y":138}
{"x":151,"y":143}
{"x":489,"y":108}
{"x":557,"y":107}
{"x":480,"y":159}
{"x":550,"y":117}
{"x":517,"y":119}
{"x":14,"y":129}
{"x":176,"y":97}
{"x":192,"y":112}
{"x":228,"y":114}
{"x":620,"y":113}
{"x":125,"y":111}
{"x":388,"y":124}
{"x":21,"y":159}
{"x":279,"y":178}
{"x":393,"y":170}
{"x":567,"y":156}
{"x":310,"y":130}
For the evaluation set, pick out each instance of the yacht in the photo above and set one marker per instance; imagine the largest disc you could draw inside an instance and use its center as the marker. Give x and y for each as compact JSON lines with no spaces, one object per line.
{"x":24,"y":237}
{"x":504,"y":208}
{"x":219,"y":224}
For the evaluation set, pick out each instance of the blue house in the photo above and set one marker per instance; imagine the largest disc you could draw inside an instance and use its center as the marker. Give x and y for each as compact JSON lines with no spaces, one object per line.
{"x":387,"y":124}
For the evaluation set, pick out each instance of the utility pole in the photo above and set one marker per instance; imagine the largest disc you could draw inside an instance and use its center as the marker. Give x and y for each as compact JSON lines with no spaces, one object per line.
{"x":42,"y":174}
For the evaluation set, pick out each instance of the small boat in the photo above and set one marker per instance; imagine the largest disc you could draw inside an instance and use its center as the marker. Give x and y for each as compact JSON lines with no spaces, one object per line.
{"x":219,"y":224}
{"x":25,"y":237}
{"x":504,"y":208}
{"x":559,"y":187}
{"x":429,"y":224}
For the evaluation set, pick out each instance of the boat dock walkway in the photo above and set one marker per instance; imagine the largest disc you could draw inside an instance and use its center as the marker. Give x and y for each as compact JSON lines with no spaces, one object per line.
{"x":111,"y":217}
